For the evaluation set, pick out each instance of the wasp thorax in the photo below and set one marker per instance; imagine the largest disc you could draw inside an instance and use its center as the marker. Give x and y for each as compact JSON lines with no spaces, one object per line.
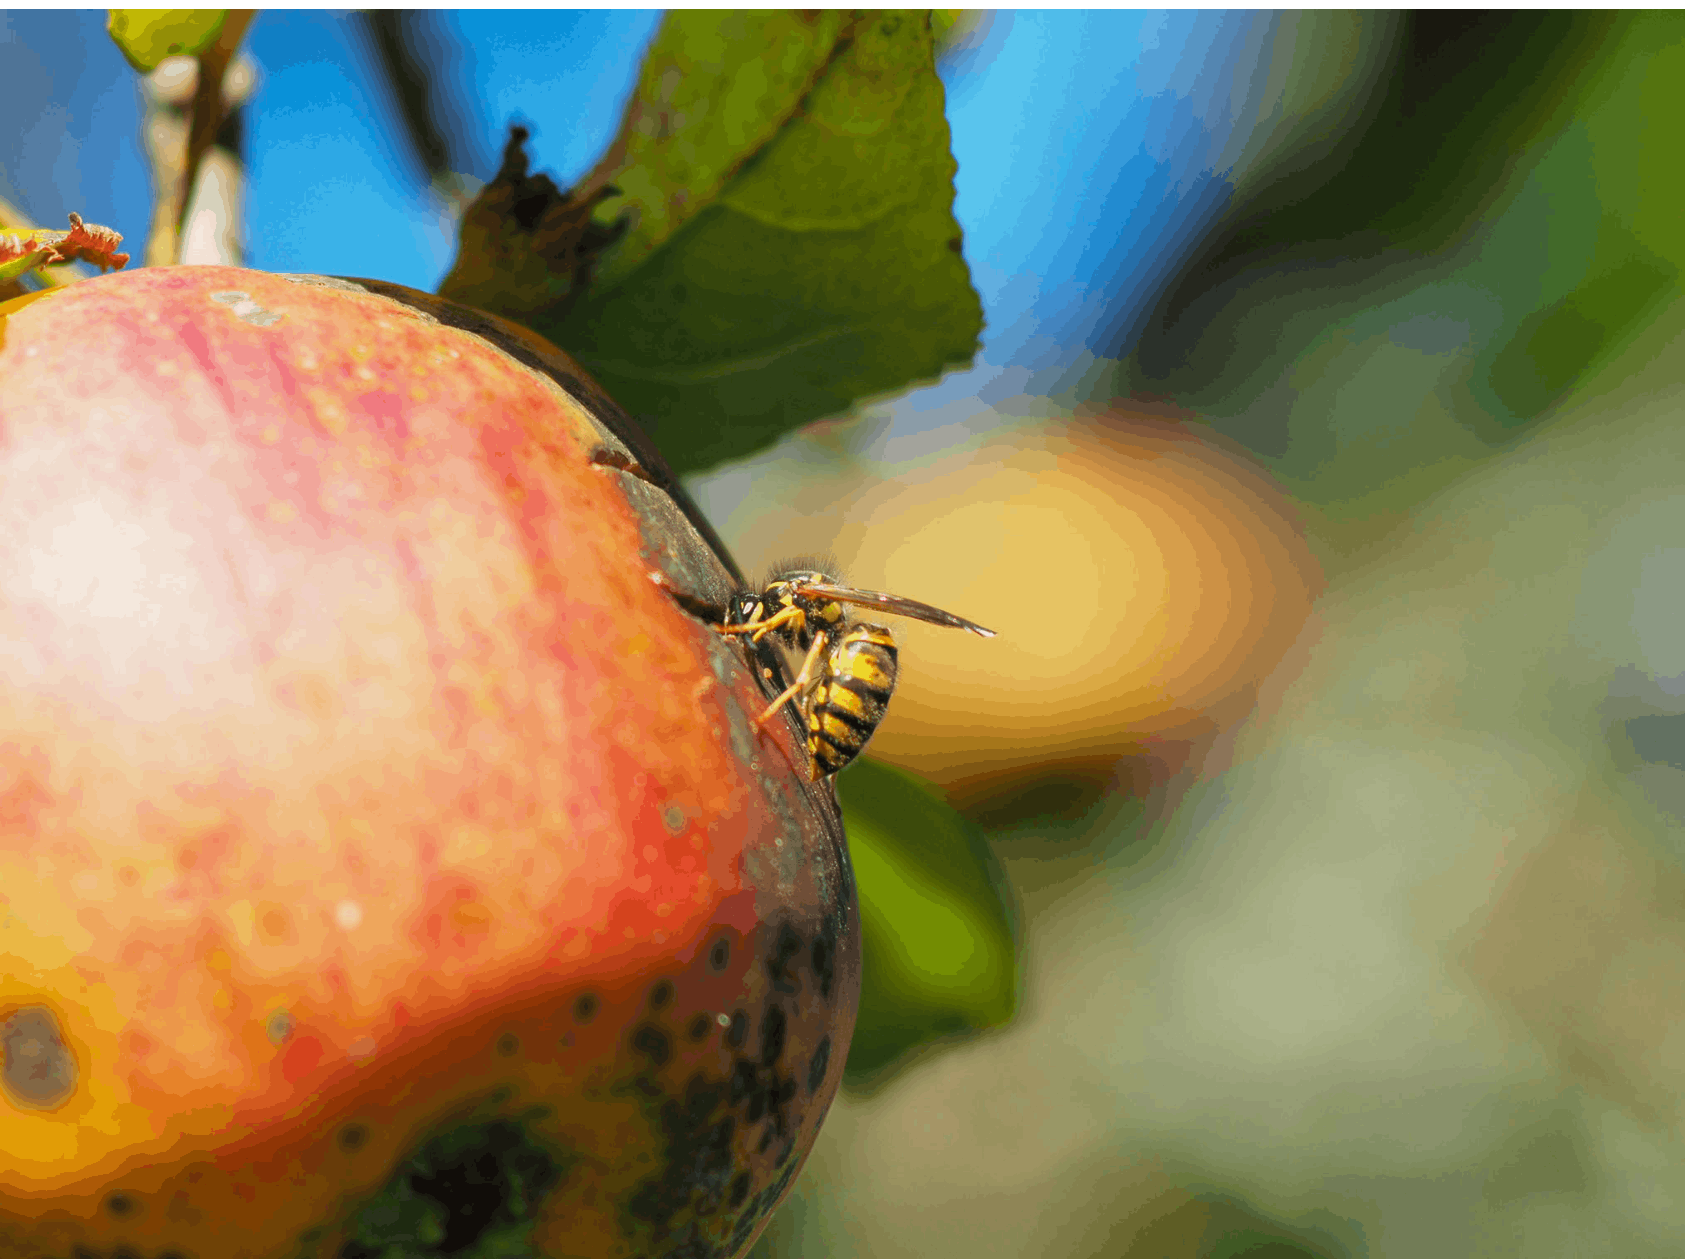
{"x":797,"y":613}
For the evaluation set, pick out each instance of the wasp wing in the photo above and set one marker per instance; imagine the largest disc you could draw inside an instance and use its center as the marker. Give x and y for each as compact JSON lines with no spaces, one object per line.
{"x":895,"y":605}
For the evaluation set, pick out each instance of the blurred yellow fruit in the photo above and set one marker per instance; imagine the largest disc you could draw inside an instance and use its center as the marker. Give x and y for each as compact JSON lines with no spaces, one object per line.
{"x":1144,"y":576}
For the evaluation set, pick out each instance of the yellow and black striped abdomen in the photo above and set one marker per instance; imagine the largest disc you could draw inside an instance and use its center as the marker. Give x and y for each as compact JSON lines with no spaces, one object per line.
{"x":847,"y":704}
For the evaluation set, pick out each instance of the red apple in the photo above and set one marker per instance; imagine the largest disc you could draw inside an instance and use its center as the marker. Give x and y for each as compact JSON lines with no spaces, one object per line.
{"x":383,"y":854}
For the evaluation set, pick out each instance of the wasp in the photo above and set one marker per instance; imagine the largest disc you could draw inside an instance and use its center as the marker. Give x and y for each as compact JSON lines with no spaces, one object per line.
{"x":848,"y":669}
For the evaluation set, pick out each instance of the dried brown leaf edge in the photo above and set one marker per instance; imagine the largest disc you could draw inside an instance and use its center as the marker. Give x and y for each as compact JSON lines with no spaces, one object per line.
{"x":28,"y":249}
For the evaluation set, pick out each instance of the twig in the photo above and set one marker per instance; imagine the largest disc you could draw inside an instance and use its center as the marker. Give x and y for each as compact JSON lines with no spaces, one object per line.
{"x":393,"y":33}
{"x":175,"y":168}
{"x":406,"y":57}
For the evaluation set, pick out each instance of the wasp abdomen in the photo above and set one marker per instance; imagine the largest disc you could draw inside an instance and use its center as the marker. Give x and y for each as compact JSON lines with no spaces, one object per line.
{"x":848,"y":702}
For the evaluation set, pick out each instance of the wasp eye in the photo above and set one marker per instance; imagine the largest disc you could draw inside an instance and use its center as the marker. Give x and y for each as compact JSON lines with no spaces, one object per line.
{"x":741,"y":608}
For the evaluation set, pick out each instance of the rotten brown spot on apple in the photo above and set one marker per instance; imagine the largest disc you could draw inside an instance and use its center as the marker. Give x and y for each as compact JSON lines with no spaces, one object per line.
{"x":39,"y":1071}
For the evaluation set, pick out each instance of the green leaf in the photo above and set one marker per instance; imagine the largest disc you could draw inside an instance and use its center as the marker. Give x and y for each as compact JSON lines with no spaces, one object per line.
{"x":715,"y":89}
{"x":1557,"y":346}
{"x":1613,"y":187}
{"x":18,"y":255}
{"x":786,"y":187}
{"x":937,"y":924}
{"x":147,"y":36}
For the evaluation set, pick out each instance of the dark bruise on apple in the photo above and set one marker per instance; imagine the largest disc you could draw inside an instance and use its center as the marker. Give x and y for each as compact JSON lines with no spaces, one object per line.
{"x":380,"y":847}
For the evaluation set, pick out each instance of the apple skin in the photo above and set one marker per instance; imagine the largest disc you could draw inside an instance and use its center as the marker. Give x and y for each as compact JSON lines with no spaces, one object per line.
{"x":360,"y":789}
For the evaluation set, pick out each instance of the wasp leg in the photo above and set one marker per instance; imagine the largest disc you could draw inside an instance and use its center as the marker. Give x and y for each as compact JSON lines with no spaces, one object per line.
{"x":803,"y":680}
{"x":760,"y":629}
{"x":775,"y":622}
